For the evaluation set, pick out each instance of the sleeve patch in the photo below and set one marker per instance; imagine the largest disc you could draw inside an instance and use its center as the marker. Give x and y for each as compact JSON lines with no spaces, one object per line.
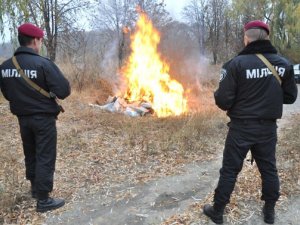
{"x":223,"y":74}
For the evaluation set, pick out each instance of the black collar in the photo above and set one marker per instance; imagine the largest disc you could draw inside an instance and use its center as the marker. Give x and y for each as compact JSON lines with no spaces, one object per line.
{"x":25,"y":50}
{"x":261,"y":46}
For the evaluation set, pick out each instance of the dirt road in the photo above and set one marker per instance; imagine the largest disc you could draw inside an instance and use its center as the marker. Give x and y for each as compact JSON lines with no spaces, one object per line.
{"x":156,"y":201}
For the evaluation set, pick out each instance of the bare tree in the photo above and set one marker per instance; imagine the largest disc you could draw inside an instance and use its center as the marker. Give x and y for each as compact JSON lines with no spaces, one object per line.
{"x":55,"y":17}
{"x":194,"y":14}
{"x":116,"y":19}
{"x":215,"y":21}
{"x":207,"y":19}
{"x":156,"y":11}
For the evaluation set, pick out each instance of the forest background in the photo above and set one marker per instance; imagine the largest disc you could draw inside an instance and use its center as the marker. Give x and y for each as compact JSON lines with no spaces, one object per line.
{"x":93,"y":37}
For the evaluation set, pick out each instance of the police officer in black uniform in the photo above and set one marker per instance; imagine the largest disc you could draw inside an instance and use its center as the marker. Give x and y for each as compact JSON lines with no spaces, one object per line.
{"x":36,"y":113}
{"x":253,"y":99}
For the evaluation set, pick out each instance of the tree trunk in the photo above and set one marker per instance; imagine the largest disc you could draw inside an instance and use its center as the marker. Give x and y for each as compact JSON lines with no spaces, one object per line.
{"x":50,"y":17}
{"x":215,"y":57}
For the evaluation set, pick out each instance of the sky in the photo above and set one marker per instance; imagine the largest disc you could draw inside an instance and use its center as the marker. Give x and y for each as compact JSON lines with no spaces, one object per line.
{"x":174,"y":7}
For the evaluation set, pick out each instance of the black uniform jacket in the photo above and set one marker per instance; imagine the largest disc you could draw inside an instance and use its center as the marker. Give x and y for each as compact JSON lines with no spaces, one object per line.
{"x":23,"y":99}
{"x":247,"y":88}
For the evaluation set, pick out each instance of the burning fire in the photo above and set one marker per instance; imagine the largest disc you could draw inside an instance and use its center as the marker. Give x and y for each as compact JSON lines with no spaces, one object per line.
{"x":147,"y":75}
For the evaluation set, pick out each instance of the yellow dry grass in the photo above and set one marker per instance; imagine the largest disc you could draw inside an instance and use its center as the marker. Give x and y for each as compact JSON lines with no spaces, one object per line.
{"x":245,"y":199}
{"x":98,"y":151}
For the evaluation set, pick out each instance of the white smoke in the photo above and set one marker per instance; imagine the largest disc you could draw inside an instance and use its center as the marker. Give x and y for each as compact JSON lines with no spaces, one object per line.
{"x":110,"y":65}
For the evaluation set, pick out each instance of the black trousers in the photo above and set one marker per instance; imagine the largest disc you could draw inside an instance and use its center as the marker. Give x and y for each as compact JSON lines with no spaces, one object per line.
{"x":39,"y":137}
{"x":260,"y":137}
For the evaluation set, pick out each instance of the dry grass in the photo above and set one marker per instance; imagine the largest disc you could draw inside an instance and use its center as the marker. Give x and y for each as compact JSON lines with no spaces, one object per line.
{"x":289,"y":157}
{"x":245,"y":200}
{"x":98,"y":151}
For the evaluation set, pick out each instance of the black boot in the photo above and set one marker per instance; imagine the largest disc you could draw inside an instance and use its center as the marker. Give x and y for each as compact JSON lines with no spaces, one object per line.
{"x":49,"y":204}
{"x":216,"y":215}
{"x":269,"y":212}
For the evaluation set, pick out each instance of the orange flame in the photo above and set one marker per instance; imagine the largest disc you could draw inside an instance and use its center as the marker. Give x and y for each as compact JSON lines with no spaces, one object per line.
{"x":147,"y":75}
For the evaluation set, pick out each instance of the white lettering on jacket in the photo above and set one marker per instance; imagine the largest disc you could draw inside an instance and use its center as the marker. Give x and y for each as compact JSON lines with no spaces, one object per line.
{"x":9,"y":73}
{"x":263,"y":72}
{"x":297,"y":69}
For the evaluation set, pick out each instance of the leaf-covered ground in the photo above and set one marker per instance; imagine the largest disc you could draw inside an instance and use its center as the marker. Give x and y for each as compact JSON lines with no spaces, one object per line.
{"x":99,"y":151}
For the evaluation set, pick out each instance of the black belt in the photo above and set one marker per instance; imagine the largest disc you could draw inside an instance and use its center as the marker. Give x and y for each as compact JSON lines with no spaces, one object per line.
{"x":38,"y":114}
{"x":252,"y":120}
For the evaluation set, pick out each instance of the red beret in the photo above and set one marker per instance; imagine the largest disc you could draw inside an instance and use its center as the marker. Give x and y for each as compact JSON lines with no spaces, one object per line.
{"x":31,"y":30}
{"x":257,"y":24}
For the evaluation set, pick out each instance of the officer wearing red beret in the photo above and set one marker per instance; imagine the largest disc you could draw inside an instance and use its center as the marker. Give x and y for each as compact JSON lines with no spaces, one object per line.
{"x":252,"y":93}
{"x":36,"y":113}
{"x":30,"y":30}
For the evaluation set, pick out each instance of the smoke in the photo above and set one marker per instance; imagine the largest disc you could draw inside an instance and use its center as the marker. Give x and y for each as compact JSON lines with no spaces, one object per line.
{"x":110,"y":66}
{"x":199,"y":79}
{"x":195,"y":70}
{"x":198,"y":67}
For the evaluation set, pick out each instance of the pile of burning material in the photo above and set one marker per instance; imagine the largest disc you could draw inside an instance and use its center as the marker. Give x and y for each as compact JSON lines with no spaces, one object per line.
{"x":147,"y":79}
{"x":119,"y":105}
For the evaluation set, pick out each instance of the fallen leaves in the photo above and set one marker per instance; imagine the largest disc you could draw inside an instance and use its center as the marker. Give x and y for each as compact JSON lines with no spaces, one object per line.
{"x":98,"y":152}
